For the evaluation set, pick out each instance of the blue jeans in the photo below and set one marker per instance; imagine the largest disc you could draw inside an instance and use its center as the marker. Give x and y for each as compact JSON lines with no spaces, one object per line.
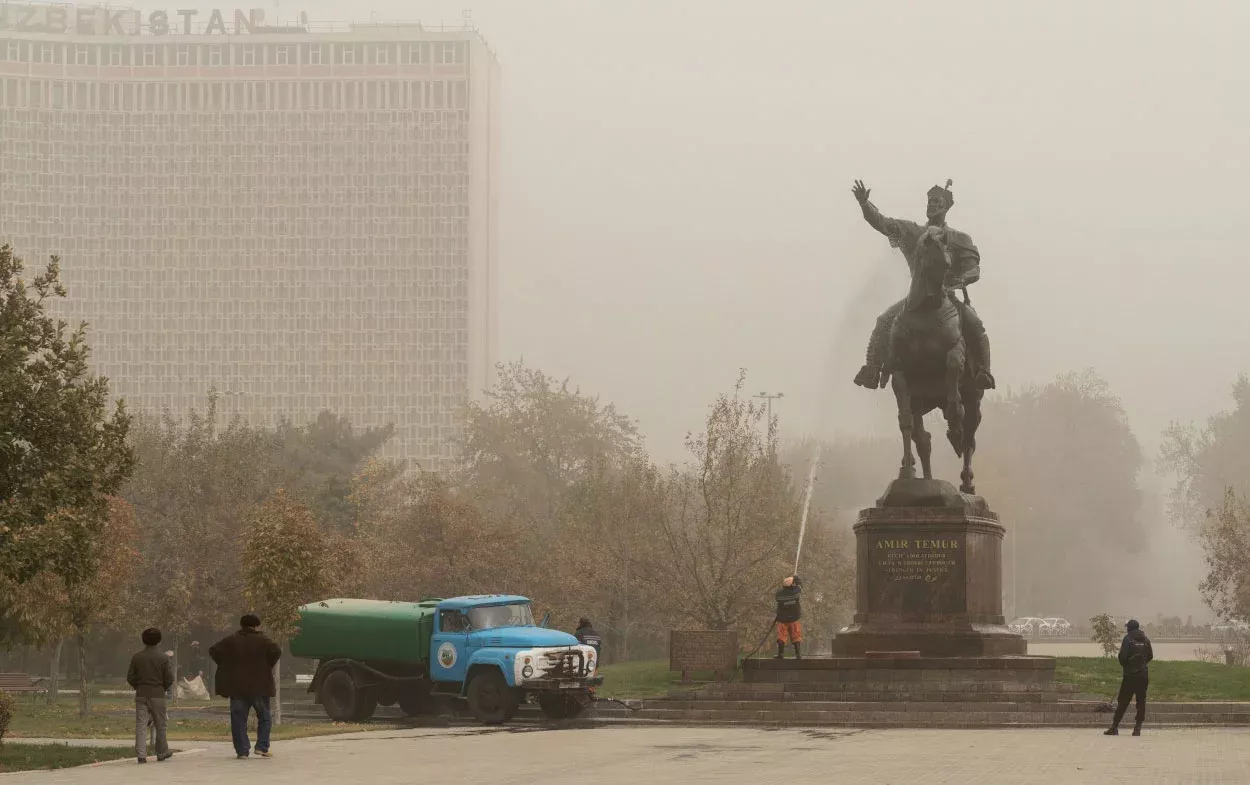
{"x":240,"y":709}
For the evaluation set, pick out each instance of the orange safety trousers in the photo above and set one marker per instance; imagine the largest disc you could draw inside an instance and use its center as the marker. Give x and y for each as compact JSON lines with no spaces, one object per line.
{"x":789,"y":632}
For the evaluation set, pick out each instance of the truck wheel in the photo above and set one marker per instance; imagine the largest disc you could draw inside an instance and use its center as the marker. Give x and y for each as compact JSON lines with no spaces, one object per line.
{"x":418,"y":701}
{"x":560,"y":707}
{"x":491,"y":700}
{"x":344,"y":701}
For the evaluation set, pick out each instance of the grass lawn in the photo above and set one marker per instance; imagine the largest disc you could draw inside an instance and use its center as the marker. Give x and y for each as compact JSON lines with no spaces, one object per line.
{"x":644,"y":679}
{"x":1170,"y":680}
{"x":114,"y":719}
{"x":27,"y":757}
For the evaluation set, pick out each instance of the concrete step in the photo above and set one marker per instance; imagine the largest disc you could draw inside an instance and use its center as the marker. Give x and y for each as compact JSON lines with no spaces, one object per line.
{"x":873,"y":706}
{"x":929,"y":719}
{"x":901,"y":697}
{"x":880,"y":687}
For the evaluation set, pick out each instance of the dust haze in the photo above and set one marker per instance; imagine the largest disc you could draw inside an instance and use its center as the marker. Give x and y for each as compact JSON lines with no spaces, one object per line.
{"x":676,"y":205}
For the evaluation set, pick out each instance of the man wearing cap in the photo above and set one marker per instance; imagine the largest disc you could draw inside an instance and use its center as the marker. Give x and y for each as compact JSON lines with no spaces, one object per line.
{"x":789,"y":616}
{"x":965,"y":271}
{"x":1135,"y":656}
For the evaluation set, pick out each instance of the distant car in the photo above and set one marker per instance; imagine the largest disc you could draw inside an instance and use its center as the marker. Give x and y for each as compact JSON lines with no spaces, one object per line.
{"x":1055,"y":625}
{"x":1231,"y":628}
{"x":1025,"y":625}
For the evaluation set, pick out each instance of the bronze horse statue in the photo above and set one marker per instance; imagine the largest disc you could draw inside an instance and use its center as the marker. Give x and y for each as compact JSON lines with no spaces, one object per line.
{"x":929,"y":364}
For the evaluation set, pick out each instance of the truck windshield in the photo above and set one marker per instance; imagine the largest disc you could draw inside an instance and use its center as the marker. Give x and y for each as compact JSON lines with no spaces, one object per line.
{"x":491,"y":616}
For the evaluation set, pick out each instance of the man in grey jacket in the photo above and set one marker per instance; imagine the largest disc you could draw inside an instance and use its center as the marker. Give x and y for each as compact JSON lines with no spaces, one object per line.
{"x":151,"y":674}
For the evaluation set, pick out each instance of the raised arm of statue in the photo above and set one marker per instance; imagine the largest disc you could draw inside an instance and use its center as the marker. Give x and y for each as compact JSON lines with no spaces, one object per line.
{"x":900,"y":231}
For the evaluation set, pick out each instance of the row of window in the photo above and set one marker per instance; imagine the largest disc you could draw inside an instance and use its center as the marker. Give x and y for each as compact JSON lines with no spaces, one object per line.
{"x":160,"y":55}
{"x":321,"y":95}
{"x":25,"y":232}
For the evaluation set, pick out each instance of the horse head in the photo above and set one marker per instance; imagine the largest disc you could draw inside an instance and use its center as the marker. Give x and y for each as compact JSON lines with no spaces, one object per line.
{"x":929,"y":277}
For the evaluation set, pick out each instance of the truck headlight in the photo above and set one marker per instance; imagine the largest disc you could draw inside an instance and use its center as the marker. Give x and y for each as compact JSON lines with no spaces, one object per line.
{"x":527,"y":671}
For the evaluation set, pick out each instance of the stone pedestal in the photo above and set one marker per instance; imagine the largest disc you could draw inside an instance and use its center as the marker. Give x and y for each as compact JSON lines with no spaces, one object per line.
{"x":929,"y":576}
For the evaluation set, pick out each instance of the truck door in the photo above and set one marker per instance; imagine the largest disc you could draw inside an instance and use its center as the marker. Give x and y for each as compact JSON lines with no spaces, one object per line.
{"x":450,"y":657}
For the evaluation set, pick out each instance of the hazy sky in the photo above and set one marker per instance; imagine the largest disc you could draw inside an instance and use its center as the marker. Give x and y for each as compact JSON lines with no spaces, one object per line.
{"x":676,"y":200}
{"x":676,"y":195}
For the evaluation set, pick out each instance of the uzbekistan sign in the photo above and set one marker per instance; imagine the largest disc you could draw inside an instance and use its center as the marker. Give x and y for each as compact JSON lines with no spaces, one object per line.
{"x":98,"y":20}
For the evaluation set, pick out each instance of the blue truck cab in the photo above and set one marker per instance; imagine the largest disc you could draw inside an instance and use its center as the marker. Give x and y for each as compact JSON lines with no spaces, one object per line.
{"x":488,"y":650}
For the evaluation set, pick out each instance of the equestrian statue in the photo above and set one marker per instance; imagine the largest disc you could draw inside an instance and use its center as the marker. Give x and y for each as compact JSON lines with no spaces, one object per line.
{"x":931,"y":347}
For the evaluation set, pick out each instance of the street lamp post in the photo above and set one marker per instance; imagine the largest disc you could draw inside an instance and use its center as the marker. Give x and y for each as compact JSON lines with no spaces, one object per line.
{"x":769,"y":397}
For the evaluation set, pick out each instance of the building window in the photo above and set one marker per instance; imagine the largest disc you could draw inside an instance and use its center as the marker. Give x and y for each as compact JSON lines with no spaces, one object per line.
{"x":381,"y":54}
{"x":282,"y":56}
{"x":115,"y":55}
{"x":182,"y":54}
{"x":347,"y":54}
{"x":81,"y":54}
{"x":249,"y":55}
{"x":451,"y":53}
{"x":15,"y":52}
{"x":316,"y":55}
{"x":149,"y":55}
{"x":45,"y":54}
{"x":214,"y":55}
{"x":416,"y":54}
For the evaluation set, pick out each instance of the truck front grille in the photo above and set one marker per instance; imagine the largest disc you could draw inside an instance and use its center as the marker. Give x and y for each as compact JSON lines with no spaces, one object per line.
{"x":566,"y":665}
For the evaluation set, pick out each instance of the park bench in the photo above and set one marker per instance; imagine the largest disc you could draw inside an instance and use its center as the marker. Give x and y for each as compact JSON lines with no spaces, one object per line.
{"x":14,"y":683}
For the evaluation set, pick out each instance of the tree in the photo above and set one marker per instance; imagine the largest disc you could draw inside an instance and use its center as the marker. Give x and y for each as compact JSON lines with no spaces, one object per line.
{"x":192,"y":492}
{"x":1105,"y":634}
{"x":316,"y":463}
{"x":1226,"y":545}
{"x":285,"y":564}
{"x":533,"y":440}
{"x":53,"y":607}
{"x":730,"y":520}
{"x":61,"y":453}
{"x":421,"y":537}
{"x":1208,"y":462}
{"x":1061,"y":467}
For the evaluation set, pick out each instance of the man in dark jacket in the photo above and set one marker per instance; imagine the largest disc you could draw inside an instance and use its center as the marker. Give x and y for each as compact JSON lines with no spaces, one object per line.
{"x":151,"y":674}
{"x":245,"y":662}
{"x":789,"y":614}
{"x":1135,"y":656}
{"x":587,"y":636}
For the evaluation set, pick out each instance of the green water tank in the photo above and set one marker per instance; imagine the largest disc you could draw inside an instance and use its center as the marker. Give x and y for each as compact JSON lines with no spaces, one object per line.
{"x":372,"y":630}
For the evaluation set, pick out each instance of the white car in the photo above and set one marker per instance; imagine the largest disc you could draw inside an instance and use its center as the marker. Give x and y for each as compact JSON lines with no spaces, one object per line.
{"x":1055,"y":625}
{"x":1025,"y":625}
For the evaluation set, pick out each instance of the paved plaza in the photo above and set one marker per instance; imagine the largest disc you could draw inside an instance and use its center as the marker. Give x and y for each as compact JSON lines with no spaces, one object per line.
{"x":655,"y":756}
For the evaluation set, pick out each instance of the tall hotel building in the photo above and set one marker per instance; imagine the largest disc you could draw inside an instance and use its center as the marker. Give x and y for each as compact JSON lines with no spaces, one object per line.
{"x":301,"y":218}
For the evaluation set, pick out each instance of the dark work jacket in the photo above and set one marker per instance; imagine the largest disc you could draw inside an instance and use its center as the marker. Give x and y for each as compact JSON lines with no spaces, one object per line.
{"x":1136,"y":653}
{"x":151,"y":674}
{"x":245,"y":663}
{"x":588,"y":637}
{"x":788,"y":607}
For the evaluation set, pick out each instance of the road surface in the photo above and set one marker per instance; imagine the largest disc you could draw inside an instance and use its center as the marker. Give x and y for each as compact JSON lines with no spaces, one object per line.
{"x":659,"y":756}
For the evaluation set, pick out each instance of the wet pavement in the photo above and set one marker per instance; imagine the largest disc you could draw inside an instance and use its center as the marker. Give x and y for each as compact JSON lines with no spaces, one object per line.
{"x":661,"y":755}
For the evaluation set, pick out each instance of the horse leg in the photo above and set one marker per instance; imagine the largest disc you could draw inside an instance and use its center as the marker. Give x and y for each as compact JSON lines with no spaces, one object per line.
{"x":924,"y":443}
{"x":907,"y":470}
{"x":954,"y":411}
{"x":972,"y":421}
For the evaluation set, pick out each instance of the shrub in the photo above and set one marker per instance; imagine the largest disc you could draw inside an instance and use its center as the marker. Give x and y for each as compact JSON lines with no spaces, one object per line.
{"x":1106,"y":634}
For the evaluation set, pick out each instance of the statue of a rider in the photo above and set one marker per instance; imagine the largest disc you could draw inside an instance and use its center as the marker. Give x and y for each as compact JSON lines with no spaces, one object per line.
{"x":965,"y":270}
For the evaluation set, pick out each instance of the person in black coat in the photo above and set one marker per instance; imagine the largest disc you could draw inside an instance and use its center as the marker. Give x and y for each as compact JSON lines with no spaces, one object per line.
{"x":245,"y":662}
{"x":789,"y":616}
{"x":587,"y":636}
{"x":1135,"y":656}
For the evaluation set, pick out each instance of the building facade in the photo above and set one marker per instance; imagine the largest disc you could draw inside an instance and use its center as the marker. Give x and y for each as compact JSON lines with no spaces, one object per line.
{"x":302,"y":219}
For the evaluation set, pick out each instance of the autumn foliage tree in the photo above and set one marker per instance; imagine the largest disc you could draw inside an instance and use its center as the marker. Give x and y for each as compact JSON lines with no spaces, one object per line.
{"x":1225,"y":542}
{"x":62,"y":452}
{"x":285,"y":565}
